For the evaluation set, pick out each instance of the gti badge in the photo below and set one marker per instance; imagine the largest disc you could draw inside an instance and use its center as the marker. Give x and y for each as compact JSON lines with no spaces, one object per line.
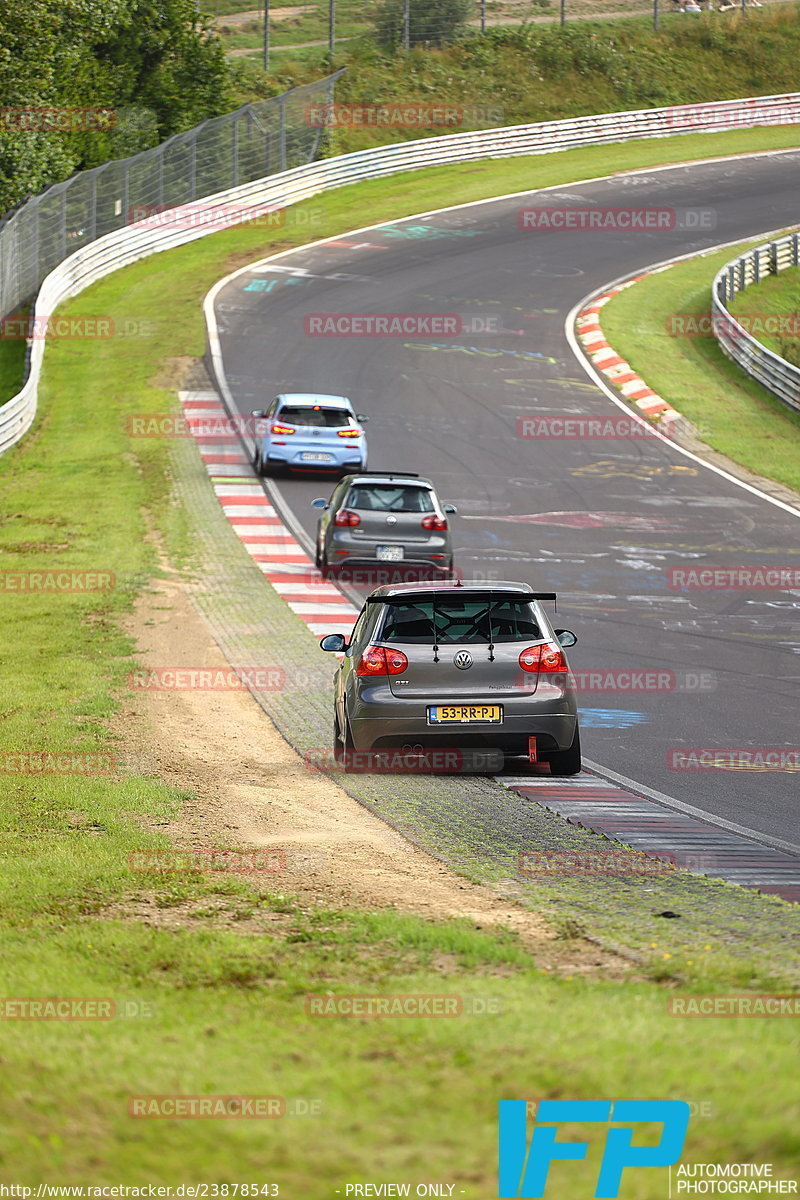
{"x":463,"y":660}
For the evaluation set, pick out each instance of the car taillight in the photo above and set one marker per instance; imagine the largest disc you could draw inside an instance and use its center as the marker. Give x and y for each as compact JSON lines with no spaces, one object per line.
{"x":543,"y":659}
{"x":276,"y":428}
{"x":349,"y":432}
{"x":380,"y":660}
{"x":346,"y":516}
{"x":434,"y":522}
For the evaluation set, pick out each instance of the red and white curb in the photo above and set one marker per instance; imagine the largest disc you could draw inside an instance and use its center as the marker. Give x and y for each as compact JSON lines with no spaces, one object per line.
{"x":253,"y":518}
{"x":620,"y":373}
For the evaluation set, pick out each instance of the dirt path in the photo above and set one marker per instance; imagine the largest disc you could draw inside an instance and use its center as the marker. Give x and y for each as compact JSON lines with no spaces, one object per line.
{"x":251,"y":789}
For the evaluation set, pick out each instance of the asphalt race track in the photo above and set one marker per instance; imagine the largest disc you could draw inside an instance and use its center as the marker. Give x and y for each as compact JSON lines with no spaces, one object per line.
{"x":599,"y":521}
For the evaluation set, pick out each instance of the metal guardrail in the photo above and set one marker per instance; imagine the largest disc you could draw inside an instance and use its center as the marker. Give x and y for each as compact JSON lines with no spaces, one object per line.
{"x":236,"y":205}
{"x":782,"y":378}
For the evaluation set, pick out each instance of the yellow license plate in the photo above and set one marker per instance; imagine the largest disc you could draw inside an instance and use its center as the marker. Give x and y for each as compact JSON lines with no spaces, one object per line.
{"x":465,"y":714}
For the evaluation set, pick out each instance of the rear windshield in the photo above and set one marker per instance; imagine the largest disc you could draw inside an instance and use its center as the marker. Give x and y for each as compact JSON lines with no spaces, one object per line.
{"x":461,"y":621}
{"x":328,"y":418}
{"x":384,"y":497}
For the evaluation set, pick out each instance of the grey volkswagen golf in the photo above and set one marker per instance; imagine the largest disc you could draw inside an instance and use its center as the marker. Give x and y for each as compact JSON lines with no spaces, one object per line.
{"x":384,"y":517}
{"x":456,"y":667}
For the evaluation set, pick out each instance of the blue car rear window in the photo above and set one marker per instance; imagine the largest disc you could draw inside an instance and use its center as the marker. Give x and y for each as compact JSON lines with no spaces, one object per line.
{"x":460,"y":621}
{"x":327,"y":418}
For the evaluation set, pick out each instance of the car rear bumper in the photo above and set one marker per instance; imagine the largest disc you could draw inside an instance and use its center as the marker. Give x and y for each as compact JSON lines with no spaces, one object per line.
{"x":291,"y":457}
{"x":395,"y":721}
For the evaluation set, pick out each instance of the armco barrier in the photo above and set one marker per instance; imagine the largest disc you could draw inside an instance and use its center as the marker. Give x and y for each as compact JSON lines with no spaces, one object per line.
{"x":124,"y":246}
{"x":781,"y":377}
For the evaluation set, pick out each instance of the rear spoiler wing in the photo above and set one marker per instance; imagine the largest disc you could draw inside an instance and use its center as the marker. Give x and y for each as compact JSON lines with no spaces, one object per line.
{"x":402,"y":598}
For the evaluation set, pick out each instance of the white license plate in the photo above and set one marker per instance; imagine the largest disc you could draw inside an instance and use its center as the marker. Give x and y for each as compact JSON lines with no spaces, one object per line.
{"x":389,"y":553}
{"x":312,"y":456}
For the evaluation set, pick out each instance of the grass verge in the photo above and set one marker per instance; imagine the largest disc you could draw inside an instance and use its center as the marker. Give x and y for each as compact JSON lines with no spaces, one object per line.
{"x":732,"y":413}
{"x":216,"y":1011}
{"x":778,"y":296}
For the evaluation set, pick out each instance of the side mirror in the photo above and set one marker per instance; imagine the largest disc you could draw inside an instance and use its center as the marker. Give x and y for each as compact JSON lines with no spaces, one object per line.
{"x":336,"y":642}
{"x":362,"y":418}
{"x":258,"y":412}
{"x":320,"y":502}
{"x":566,"y":637}
{"x":450,"y":508}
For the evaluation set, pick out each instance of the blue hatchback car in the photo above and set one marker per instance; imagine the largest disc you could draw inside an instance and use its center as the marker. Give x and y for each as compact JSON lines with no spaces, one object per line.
{"x":306,"y":431}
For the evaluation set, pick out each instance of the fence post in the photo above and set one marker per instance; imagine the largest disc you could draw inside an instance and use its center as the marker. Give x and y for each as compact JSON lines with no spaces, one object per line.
{"x":266,"y":35}
{"x":756,"y":267}
{"x":563,"y":12}
{"x":193,"y":169}
{"x":406,"y":25}
{"x":63,"y":224}
{"x":161,"y":179}
{"x":282,"y":133}
{"x":93,"y":211}
{"x":795,"y":249}
{"x":235,"y":151}
{"x":331,"y":27}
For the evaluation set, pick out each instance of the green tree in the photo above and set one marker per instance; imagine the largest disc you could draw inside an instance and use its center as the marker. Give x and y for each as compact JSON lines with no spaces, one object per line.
{"x":154,"y":62}
{"x":431,"y":22}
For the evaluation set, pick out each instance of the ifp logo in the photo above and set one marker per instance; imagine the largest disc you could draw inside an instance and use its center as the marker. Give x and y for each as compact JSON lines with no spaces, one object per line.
{"x":523,"y":1169}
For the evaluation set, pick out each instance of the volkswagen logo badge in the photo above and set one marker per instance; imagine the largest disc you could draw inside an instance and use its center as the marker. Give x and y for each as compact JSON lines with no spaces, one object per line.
{"x":463,"y":660}
{"x":391,"y":520}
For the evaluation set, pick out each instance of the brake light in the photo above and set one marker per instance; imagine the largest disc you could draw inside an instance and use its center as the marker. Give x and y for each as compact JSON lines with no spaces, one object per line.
{"x":276,"y":428}
{"x":434,"y":522}
{"x":349,"y":432}
{"x":548,"y":659}
{"x":380,"y":660}
{"x":346,"y":516}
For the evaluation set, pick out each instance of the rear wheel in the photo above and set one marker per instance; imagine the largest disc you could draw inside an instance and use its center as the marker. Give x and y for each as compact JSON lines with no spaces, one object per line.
{"x":343,"y":747}
{"x":567,"y":762}
{"x":324,"y":565}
